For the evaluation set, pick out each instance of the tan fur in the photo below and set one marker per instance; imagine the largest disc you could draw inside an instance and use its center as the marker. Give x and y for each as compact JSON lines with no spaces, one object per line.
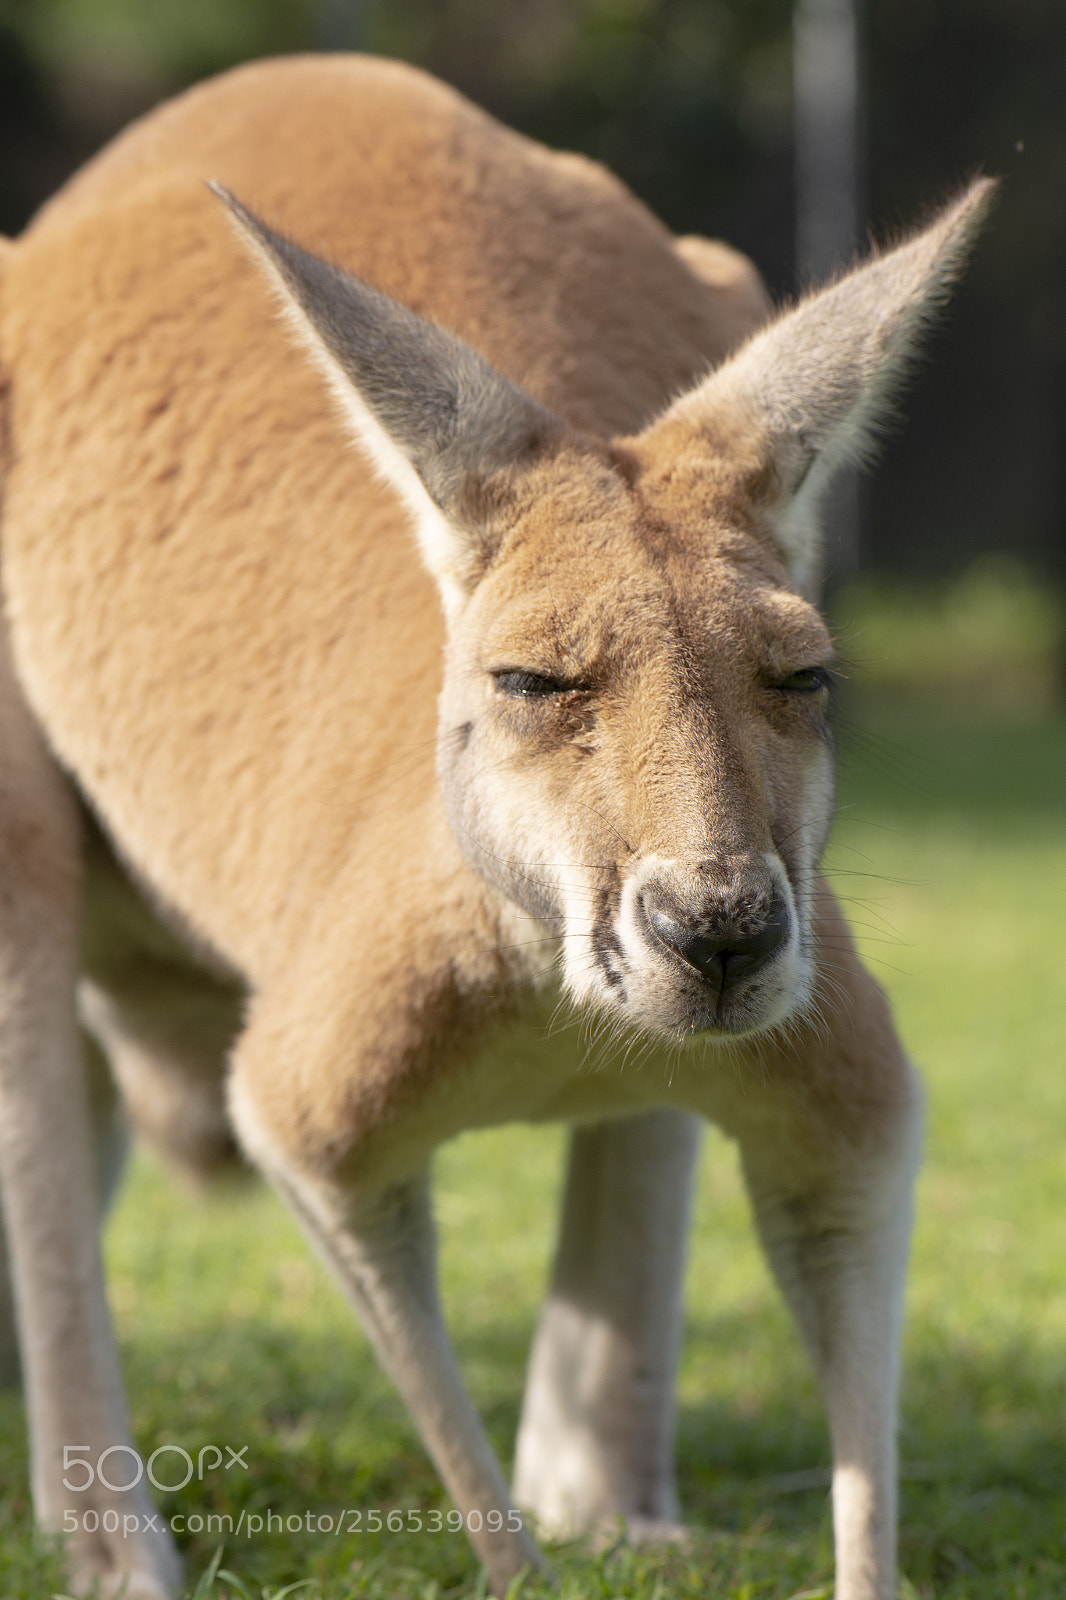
{"x":314,"y":763}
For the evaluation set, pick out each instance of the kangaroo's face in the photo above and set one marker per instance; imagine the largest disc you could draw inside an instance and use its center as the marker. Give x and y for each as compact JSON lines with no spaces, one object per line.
{"x":633,"y":744}
{"x":633,"y":747}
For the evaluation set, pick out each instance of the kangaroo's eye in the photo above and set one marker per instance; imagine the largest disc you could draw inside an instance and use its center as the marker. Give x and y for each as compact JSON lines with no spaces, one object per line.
{"x":529,"y":685}
{"x":809,"y":680}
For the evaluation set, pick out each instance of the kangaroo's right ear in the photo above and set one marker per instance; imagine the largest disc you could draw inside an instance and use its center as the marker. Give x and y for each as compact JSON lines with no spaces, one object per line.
{"x":437,"y":420}
{"x":809,"y":392}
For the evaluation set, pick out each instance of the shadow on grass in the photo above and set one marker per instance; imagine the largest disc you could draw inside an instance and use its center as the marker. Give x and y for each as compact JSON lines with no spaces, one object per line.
{"x":983,"y":1465}
{"x":983,"y":1448}
{"x":983,"y":1497}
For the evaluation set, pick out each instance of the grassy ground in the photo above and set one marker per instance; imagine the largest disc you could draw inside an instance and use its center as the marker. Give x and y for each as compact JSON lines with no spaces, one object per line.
{"x":951,"y":849}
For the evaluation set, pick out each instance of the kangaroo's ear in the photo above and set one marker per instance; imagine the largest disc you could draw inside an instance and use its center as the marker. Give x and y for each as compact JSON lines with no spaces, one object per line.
{"x":808,"y":392}
{"x":436,"y":419}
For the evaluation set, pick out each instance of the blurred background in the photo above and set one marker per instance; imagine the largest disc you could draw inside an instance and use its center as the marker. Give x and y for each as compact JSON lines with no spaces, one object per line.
{"x":709,"y":112}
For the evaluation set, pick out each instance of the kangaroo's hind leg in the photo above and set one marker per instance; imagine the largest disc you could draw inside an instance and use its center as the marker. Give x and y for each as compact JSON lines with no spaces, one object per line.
{"x":164,"y":1021}
{"x":596,"y":1440}
{"x":49,"y":1184}
{"x":110,"y":1144}
{"x":172,"y":1082}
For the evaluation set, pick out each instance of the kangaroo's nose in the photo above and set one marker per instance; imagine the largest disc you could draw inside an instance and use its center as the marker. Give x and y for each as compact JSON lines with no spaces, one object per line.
{"x":732,"y":947}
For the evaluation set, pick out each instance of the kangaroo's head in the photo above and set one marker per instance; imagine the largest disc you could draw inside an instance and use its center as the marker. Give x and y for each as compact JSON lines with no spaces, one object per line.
{"x":633,"y":742}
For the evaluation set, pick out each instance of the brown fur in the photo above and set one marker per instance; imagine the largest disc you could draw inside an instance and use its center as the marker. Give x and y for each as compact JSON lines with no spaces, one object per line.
{"x":219,"y":619}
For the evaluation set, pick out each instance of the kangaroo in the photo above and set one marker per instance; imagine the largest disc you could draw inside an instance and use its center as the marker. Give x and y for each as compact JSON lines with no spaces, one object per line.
{"x":385,"y":682}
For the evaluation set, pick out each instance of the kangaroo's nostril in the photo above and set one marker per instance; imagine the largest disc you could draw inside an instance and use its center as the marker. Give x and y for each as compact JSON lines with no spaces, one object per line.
{"x":732,"y":950}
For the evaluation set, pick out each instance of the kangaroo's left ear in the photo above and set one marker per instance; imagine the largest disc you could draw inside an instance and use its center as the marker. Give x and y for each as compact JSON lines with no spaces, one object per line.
{"x":807,"y":393}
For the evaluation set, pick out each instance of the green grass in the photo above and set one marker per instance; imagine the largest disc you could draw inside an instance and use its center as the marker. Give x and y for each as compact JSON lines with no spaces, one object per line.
{"x":951,"y":851}
{"x":994,"y":635}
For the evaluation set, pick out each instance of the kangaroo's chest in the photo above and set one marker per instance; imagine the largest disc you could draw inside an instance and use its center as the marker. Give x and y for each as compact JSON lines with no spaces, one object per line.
{"x":550,"y":1063}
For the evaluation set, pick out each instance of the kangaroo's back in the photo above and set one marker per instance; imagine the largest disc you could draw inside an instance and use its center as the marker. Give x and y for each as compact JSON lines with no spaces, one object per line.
{"x":544,"y":261}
